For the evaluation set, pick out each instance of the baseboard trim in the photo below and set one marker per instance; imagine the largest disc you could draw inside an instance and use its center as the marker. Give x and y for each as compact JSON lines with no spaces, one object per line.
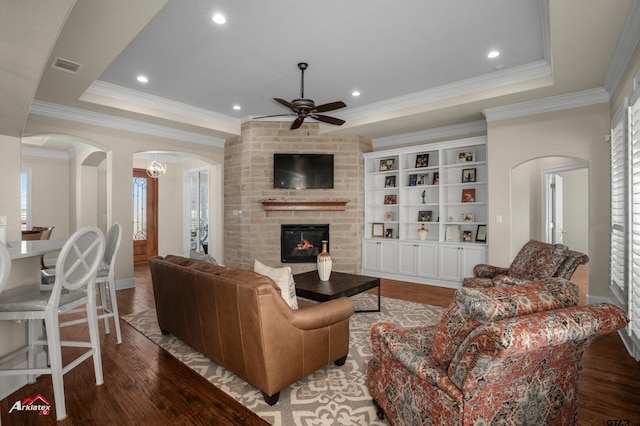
{"x":597,"y":299}
{"x":125,"y":283}
{"x":10,"y":384}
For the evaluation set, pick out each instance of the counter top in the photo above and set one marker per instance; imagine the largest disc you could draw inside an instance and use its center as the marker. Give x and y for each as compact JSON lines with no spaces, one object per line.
{"x":24,"y":249}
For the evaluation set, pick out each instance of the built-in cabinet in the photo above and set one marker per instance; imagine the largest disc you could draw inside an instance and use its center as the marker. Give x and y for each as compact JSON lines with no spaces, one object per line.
{"x":441,"y":187}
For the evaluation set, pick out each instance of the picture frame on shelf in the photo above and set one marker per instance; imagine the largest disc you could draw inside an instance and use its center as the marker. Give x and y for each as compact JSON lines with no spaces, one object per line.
{"x":387,"y":164}
{"x":467,"y":217}
{"x":413,"y":179}
{"x":436,"y":178}
{"x":425,"y":216}
{"x":388,"y":233}
{"x":481,"y":234}
{"x":377,"y":230}
{"x":423,"y":179}
{"x":422,"y":160}
{"x":468,"y":195}
{"x":468,"y":175}
{"x":466,"y":156}
{"x":388,"y":216}
{"x":452,"y":233}
{"x":390,"y":199}
{"x":466,"y":236}
{"x":390,"y":181}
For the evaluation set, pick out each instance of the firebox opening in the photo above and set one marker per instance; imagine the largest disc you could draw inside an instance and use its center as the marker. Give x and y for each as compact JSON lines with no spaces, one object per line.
{"x":302,"y":243}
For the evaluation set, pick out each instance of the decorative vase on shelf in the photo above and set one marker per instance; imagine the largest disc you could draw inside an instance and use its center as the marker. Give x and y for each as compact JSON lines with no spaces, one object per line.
{"x":422,"y":232}
{"x":324,"y":263}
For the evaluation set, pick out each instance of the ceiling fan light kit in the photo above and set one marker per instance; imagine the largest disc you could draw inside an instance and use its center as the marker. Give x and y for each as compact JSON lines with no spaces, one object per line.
{"x":303,"y":107}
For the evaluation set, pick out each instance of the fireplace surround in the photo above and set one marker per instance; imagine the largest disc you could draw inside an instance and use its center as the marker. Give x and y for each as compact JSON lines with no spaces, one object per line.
{"x":302,"y":243}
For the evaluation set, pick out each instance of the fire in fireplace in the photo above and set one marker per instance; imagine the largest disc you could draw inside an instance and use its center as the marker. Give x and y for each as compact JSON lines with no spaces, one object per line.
{"x":302,"y":243}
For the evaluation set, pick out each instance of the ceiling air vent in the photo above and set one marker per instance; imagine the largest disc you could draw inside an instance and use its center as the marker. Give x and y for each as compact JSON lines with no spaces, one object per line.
{"x":65,"y":65}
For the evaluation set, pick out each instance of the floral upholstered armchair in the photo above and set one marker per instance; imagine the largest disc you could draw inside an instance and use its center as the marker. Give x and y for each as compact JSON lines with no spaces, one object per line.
{"x":535,"y":260}
{"x":501,"y":355}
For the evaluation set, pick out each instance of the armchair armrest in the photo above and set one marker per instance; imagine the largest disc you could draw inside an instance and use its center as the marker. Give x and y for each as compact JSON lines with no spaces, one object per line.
{"x":323,"y":314}
{"x":483,"y":270}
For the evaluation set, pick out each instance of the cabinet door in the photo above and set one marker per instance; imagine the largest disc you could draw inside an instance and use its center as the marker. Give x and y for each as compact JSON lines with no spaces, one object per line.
{"x":407,"y":258}
{"x":449,"y":265}
{"x":470,"y":258}
{"x":370,"y":255}
{"x":427,"y":260}
{"x":387,"y":260}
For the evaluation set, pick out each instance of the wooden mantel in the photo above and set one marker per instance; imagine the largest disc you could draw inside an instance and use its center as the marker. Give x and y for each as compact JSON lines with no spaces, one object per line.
{"x":331,"y":204}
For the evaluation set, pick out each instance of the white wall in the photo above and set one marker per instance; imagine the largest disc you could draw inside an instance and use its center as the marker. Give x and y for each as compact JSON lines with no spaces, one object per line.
{"x":578,"y":133}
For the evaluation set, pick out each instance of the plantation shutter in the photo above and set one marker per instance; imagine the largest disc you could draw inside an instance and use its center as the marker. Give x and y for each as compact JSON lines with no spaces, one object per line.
{"x":634,"y":287}
{"x":619,"y":207}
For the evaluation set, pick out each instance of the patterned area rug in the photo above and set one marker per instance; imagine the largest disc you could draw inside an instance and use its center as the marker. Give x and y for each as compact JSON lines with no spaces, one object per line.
{"x":330,"y":396}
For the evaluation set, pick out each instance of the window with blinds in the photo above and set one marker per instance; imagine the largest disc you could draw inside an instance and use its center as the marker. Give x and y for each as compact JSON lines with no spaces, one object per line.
{"x":619,"y":206}
{"x":634,"y":285}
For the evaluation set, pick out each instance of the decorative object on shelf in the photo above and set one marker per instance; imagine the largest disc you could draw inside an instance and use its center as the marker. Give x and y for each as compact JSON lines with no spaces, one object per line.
{"x":388,"y":216}
{"x":481,"y":233}
{"x":324,"y":263}
{"x":422,"y":233}
{"x":422,"y":160}
{"x":425,"y":216}
{"x":469,"y":195}
{"x":466,"y":236}
{"x":413,"y":179}
{"x":436,"y":178}
{"x":377,"y":230}
{"x":422,"y":179}
{"x":424,"y":193}
{"x":155,"y":168}
{"x":390,"y":199}
{"x":450,"y":218}
{"x":387,"y":164}
{"x":390,"y":182}
{"x":467,"y":217}
{"x":466,"y":156}
{"x":468,"y":175}
{"x":452,"y":233}
{"x":388,"y":233}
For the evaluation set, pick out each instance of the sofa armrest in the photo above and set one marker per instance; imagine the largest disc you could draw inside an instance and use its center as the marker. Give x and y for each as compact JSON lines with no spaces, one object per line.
{"x":323,"y":314}
{"x":483,"y":270}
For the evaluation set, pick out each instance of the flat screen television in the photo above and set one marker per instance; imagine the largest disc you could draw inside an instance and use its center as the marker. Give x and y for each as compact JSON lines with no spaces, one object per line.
{"x":303,"y":171}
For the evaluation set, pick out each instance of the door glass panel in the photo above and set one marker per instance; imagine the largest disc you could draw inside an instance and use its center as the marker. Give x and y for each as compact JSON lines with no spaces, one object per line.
{"x":139,"y":209}
{"x":199,"y":211}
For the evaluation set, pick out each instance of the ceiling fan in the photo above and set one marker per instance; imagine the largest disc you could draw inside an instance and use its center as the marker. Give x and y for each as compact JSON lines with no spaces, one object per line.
{"x":304,"y":108}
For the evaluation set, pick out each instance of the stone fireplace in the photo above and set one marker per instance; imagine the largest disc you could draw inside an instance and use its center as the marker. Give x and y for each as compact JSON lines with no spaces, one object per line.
{"x":252,"y":231}
{"x":302,"y":243}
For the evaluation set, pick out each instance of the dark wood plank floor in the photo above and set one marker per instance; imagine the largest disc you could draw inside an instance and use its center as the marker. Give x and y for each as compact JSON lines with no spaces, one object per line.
{"x":146,"y":385}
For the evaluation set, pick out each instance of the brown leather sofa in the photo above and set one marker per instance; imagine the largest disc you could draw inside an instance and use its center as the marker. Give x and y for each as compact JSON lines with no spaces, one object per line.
{"x":238,"y":319}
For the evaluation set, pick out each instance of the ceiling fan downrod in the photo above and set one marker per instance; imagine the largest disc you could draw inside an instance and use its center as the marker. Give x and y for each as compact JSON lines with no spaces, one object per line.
{"x":302,"y":66}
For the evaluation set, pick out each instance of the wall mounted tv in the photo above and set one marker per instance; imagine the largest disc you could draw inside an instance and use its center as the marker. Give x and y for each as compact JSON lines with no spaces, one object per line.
{"x":303,"y":171}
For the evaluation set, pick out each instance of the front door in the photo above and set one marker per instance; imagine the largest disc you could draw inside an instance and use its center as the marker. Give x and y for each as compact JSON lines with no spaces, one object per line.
{"x":145,"y":216}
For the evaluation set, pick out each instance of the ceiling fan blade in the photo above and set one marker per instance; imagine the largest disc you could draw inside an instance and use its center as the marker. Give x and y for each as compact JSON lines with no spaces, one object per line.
{"x":329,"y":107}
{"x":276,"y":115}
{"x":297,"y":123}
{"x":286,"y":103}
{"x":327,"y":119}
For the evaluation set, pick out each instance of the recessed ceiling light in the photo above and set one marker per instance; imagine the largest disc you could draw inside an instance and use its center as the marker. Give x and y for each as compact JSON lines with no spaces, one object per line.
{"x":218,"y":18}
{"x":355,"y":93}
{"x":493,"y":54}
{"x":142,"y":79}
{"x":237,"y":107}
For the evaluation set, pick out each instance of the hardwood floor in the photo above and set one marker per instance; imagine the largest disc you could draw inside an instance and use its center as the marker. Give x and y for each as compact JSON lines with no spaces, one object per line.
{"x":143,"y":384}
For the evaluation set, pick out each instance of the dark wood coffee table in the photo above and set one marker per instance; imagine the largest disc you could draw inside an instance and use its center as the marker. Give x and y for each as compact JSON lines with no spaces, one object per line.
{"x":340,"y":284}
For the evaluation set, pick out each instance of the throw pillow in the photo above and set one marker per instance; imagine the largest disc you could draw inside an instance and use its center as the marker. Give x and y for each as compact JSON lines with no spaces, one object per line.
{"x":283,"y":279}
{"x":537,"y":260}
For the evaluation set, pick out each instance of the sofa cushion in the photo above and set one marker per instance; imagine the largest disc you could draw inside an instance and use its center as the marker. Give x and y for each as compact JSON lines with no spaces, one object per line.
{"x":283,"y":279}
{"x":537,"y":260}
{"x":474,"y":306}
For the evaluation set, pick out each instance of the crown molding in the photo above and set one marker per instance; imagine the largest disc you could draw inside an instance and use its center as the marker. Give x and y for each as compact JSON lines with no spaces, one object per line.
{"x":157,"y":103}
{"x":627,"y":44}
{"x":553,"y":103}
{"x":423,"y":136}
{"x":45,"y":153}
{"x":494,"y":80}
{"x":62,"y":112}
